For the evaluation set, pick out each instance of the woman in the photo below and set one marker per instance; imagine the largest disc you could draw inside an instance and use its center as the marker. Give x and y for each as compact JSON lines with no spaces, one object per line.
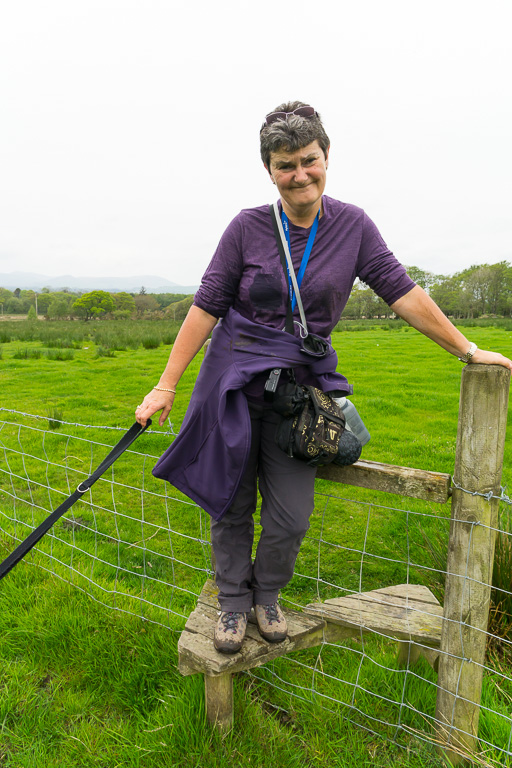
{"x":226,"y":445}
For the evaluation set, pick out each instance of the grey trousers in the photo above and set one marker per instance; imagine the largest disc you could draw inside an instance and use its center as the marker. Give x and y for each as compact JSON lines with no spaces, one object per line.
{"x":287,"y":491}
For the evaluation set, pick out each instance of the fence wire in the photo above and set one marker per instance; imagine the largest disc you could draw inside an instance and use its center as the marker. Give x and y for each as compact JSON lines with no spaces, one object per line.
{"x":135,"y":545}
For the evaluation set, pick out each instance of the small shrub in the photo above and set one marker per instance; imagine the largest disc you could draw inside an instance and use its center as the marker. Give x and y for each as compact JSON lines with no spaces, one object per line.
{"x":55,"y":418}
{"x":150,"y":342}
{"x":104,"y":352}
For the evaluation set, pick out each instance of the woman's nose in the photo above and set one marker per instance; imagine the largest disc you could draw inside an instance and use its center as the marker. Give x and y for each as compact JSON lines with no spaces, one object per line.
{"x":300,"y":174}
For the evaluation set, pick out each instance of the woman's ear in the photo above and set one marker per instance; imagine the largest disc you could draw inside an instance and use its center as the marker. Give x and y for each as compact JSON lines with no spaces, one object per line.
{"x":268,"y":169}
{"x":327,"y":156}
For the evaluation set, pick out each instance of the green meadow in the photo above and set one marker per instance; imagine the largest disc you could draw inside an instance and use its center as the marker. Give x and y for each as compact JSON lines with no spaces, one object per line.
{"x":84,"y":685}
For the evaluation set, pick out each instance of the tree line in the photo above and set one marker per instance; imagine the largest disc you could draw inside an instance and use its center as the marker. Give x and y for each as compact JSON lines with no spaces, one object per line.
{"x":67,"y":304}
{"x":484,"y":289}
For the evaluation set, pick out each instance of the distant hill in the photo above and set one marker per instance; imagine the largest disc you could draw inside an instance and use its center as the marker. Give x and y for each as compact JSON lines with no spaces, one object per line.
{"x":131,"y":283}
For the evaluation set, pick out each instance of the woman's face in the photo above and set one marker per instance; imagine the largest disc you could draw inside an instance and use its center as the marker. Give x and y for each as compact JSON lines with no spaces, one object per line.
{"x":300,"y":177}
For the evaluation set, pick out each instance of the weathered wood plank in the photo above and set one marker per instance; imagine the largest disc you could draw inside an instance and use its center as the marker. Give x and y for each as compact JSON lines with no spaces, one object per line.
{"x":411,"y":592}
{"x":395,"y":623}
{"x":209,"y":594}
{"x":197,"y":652}
{"x":478,"y":466}
{"x":415,"y":597}
{"x":403,"y":481}
{"x":405,"y":612}
{"x":399,"y":609}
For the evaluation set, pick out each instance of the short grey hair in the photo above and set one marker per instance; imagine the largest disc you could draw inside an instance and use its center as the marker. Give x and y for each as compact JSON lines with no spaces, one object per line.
{"x":291,"y":133}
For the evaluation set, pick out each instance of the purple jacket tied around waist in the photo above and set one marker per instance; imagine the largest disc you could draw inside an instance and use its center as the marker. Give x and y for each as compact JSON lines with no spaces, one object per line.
{"x":208,"y":458}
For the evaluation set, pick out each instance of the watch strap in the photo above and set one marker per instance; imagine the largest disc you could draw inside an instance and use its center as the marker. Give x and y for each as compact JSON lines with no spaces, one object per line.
{"x":469,"y":354}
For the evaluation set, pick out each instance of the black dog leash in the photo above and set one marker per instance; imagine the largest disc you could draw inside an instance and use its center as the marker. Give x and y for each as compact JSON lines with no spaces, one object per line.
{"x":19,"y":553}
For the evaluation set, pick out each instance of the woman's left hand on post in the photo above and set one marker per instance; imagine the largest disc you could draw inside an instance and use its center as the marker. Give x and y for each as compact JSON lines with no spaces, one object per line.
{"x":153,"y":402}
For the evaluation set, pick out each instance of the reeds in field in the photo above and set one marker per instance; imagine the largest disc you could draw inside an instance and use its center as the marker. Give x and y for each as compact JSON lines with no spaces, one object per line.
{"x":27,"y":353}
{"x":486,"y":322}
{"x":59,"y":343}
{"x":60,"y":354}
{"x":55,"y":418}
{"x":151,"y":341}
{"x":111,"y":334}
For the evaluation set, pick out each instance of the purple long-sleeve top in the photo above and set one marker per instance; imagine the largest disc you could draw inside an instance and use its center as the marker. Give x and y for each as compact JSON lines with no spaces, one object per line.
{"x":246,"y":273}
{"x":245,"y":285}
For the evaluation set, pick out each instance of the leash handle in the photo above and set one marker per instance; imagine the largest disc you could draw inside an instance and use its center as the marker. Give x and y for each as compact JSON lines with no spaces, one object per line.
{"x":27,"y":544}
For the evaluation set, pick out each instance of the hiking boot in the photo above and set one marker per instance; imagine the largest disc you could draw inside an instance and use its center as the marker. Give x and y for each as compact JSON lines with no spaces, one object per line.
{"x":271,"y":622}
{"x":230,"y":631}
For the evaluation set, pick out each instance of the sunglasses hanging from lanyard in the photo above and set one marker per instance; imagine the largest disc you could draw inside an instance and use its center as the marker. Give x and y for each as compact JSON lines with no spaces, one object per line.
{"x":312,"y":344}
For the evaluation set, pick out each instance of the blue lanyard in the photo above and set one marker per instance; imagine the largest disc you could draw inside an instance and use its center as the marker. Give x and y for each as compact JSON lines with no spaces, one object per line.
{"x":305,"y":258}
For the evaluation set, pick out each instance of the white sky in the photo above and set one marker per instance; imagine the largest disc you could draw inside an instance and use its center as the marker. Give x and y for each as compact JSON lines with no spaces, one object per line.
{"x":129,"y":128}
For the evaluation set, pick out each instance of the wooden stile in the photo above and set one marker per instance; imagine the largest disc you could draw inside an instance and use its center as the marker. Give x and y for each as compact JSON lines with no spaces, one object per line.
{"x":408,"y":613}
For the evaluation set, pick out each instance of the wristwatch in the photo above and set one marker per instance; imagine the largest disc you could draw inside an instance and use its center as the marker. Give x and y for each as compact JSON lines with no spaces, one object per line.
{"x":469,"y":354}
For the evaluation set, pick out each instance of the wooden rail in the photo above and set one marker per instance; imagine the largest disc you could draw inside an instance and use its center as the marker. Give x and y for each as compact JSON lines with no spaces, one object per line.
{"x":404,"y":481}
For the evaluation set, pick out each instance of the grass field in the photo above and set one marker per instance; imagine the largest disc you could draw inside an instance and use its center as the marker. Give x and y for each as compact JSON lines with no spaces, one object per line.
{"x":86,"y":686}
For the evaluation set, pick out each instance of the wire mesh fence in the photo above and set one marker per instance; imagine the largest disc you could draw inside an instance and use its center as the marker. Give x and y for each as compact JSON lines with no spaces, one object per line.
{"x":138,"y":546}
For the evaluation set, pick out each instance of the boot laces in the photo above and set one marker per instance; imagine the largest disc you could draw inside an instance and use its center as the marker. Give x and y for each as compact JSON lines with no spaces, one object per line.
{"x":271,"y":613}
{"x":230,"y":621}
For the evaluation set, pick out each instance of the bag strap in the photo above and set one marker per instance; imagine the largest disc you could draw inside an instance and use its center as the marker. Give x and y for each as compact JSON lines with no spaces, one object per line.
{"x":26,"y":545}
{"x":289,"y":314}
{"x":287,"y":264}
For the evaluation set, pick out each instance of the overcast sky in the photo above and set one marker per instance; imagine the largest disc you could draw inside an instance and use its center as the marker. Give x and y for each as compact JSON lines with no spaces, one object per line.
{"x":129,"y":128}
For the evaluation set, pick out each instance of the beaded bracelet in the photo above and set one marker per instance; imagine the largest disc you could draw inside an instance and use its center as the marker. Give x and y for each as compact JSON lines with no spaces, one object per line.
{"x":164,"y":389}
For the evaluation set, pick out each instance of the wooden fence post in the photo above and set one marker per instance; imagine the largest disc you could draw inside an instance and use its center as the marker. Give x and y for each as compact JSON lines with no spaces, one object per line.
{"x":219,"y":700}
{"x":478,"y":466}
